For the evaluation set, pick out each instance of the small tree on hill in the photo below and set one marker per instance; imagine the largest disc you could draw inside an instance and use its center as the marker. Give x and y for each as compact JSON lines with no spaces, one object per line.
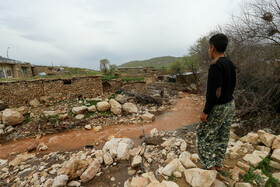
{"x":104,"y":66}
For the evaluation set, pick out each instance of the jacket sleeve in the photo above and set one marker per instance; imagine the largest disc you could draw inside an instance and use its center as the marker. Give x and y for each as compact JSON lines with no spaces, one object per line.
{"x":214,"y":88}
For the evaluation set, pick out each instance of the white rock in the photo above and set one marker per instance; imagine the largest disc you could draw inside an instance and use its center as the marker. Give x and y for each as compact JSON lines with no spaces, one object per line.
{"x":199,"y":177}
{"x":148,"y":116}
{"x":242,"y":184}
{"x":177,"y":174}
{"x":154,"y":132}
{"x":116,"y":107}
{"x":79,"y":110}
{"x":130,"y":108}
{"x":42,"y":147}
{"x":266,"y":138}
{"x":60,"y":181}
{"x":88,"y":127}
{"x":185,"y":154}
{"x":48,"y":183}
{"x":91,"y":108}
{"x":218,"y":183}
{"x":274,"y":164}
{"x":252,"y":159}
{"x":139,"y":182}
{"x":136,"y":161}
{"x":121,"y":98}
{"x":108,"y":160}
{"x":79,"y":116}
{"x":3,"y":162}
{"x":118,"y":147}
{"x":12,"y":117}
{"x":50,"y":113}
{"x":23,"y":110}
{"x":97,"y":128}
{"x":252,"y":138}
{"x":187,"y":163}
{"x":276,"y":176}
{"x":20,"y":158}
{"x":103,"y":106}
{"x":169,"y":183}
{"x":74,"y":184}
{"x":171,"y":167}
{"x":183,"y":146}
{"x":195,"y":157}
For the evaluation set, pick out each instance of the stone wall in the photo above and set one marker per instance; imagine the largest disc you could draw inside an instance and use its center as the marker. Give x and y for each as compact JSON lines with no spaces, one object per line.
{"x":18,"y":93}
{"x":21,"y":92}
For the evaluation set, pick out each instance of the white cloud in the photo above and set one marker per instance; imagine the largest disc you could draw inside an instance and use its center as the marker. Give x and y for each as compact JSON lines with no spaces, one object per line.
{"x":81,"y":32}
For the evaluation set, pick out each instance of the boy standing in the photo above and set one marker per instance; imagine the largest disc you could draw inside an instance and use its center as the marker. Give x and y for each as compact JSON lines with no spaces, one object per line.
{"x":214,"y":128}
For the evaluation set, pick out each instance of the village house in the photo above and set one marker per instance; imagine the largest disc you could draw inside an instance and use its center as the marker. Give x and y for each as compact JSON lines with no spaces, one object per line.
{"x":10,"y":68}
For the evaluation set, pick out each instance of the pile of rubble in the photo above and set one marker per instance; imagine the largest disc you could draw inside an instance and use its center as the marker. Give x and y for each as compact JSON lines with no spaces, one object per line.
{"x":89,"y":113}
{"x":172,"y":163}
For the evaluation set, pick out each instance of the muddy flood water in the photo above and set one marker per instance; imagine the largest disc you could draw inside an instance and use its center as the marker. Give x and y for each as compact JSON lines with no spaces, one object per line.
{"x":186,"y":111}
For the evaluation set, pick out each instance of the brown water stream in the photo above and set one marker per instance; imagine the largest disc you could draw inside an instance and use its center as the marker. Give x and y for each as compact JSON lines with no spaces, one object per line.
{"x":186,"y":111}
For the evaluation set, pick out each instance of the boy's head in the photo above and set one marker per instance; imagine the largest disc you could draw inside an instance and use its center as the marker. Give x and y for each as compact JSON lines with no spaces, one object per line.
{"x":218,"y":44}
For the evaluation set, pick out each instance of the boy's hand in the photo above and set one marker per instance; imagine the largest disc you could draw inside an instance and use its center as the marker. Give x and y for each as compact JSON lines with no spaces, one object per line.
{"x":203,"y":117}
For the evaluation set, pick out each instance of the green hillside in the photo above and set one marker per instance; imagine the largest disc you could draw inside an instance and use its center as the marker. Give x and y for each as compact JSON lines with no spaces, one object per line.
{"x":158,"y":62}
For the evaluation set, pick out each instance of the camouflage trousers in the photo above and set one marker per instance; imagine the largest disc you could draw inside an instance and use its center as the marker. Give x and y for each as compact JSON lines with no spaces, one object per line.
{"x":213,"y":136}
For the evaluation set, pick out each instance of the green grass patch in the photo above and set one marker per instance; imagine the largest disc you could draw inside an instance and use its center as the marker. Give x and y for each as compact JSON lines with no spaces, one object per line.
{"x":252,"y":177}
{"x":112,"y":96}
{"x":267,"y":170}
{"x":172,"y":178}
{"x":133,"y":79}
{"x":52,"y":119}
{"x":90,"y":103}
{"x":27,"y":118}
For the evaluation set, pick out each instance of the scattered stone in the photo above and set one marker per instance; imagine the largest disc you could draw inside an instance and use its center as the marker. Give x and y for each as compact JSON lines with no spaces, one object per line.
{"x":242,"y":184}
{"x":63,"y":116}
{"x":274,"y":164}
{"x":139,"y":182}
{"x":2,"y":126}
{"x":103,"y":106}
{"x":97,"y":128}
{"x":187,"y":163}
{"x":74,"y":167}
{"x":113,"y":179}
{"x":23,"y":110}
{"x":2,"y":132}
{"x":154,"y":132}
{"x":79,"y":110}
{"x":50,"y":113}
{"x":48,"y":183}
{"x":92,"y":108}
{"x":74,"y":184}
{"x":60,"y":181}
{"x":276,"y":143}
{"x":20,"y":158}
{"x":195,"y":157}
{"x":118,"y":147}
{"x":80,"y":116}
{"x":90,"y":172}
{"x":148,"y":116}
{"x":12,"y":117}
{"x":108,"y":160}
{"x":88,"y":127}
{"x":199,"y":177}
{"x":136,"y":161}
{"x":266,"y":138}
{"x":276,"y":176}
{"x":34,"y":103}
{"x":131,"y":172}
{"x":121,"y":98}
{"x":3,"y":162}
{"x":252,"y":159}
{"x":42,"y":147}
{"x":116,"y":107}
{"x":177,"y":174}
{"x":130,"y":108}
{"x":170,"y":168}
{"x":218,"y":183}
{"x":252,"y":138}
{"x":276,"y":155}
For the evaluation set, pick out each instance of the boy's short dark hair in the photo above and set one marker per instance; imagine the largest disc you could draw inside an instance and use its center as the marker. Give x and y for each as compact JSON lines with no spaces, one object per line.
{"x":220,"y":42}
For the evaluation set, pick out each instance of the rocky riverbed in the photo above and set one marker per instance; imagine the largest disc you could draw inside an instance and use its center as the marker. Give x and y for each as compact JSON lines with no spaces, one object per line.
{"x":163,"y":159}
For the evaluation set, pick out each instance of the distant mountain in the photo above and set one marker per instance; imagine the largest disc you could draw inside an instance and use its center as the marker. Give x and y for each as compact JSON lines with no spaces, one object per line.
{"x":157,"y":62}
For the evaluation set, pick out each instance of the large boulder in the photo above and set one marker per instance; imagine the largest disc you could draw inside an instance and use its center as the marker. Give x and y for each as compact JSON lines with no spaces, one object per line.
{"x":74,"y":168}
{"x":79,"y":110}
{"x":200,"y":178}
{"x":116,"y":107}
{"x":90,"y":171}
{"x":103,"y":106}
{"x":118,"y":147}
{"x":12,"y":117}
{"x":130,"y":108}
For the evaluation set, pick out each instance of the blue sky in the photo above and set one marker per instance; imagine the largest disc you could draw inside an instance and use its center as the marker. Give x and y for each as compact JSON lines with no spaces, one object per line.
{"x":78,"y":33}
